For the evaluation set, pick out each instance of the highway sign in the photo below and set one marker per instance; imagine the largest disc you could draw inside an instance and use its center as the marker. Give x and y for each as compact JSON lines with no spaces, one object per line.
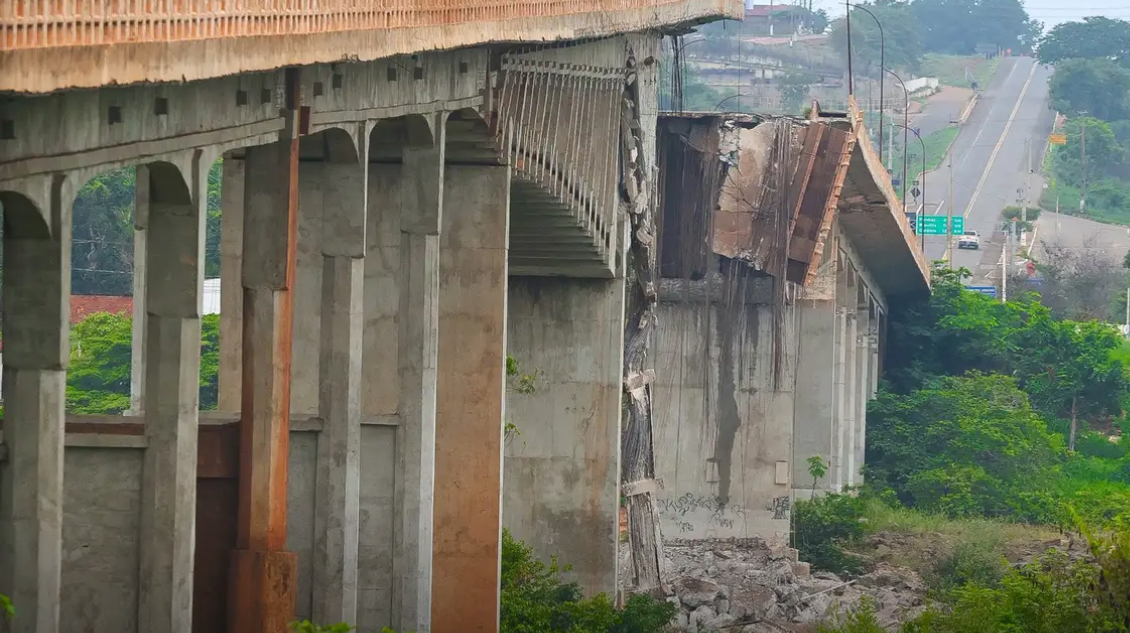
{"x":936,"y":225}
{"x":1058,"y":139}
{"x":985,"y":290}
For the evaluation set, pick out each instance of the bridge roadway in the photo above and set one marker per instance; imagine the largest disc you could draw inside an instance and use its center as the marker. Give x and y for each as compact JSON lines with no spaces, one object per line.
{"x":1004,"y":138}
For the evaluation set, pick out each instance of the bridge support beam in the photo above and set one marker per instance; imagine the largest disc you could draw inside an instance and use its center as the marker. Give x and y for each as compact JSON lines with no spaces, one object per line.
{"x":471,"y":384}
{"x":338,"y":479}
{"x":263,"y":574}
{"x":418,"y":340}
{"x":174,"y":276}
{"x":37,"y":292}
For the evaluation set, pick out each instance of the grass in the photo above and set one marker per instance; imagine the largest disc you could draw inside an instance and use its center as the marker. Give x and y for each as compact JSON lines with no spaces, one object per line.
{"x":937,"y":146}
{"x":882,"y":517}
{"x":947,"y":552}
{"x":950,"y":69}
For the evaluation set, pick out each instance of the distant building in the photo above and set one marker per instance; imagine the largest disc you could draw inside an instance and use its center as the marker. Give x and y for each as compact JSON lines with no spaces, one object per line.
{"x":773,"y":19}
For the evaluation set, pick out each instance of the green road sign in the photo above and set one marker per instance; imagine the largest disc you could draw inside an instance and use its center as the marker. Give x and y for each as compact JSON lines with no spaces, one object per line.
{"x":936,"y":225}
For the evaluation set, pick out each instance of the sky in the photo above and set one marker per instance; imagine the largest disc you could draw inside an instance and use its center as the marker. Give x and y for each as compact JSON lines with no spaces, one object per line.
{"x":1050,"y":12}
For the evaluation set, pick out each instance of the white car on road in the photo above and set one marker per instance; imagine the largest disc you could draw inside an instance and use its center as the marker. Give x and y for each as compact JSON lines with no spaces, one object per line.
{"x":969,"y":239}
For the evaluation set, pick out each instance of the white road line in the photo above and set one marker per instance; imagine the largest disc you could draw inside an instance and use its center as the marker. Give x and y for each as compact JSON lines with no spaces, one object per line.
{"x":1000,"y":142}
{"x":997,"y":148}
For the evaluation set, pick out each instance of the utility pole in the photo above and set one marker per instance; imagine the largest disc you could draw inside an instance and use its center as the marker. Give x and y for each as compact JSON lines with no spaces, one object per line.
{"x":847,"y":25}
{"x":1004,"y":264}
{"x":1127,"y":332}
{"x":1055,"y":233}
{"x":949,"y":220}
{"x":1083,"y":160}
{"x":1024,"y":202}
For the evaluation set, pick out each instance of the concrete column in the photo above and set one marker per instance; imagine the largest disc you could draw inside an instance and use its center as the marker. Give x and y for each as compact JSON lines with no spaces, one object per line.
{"x":338,"y":479}
{"x":173,"y":284}
{"x":231,"y":286}
{"x":863,"y":384}
{"x":418,"y":341}
{"x":815,"y":407}
{"x":263,"y":575}
{"x":873,"y":342}
{"x":469,"y":413}
{"x":37,"y":290}
{"x":562,"y":493}
{"x":851,"y":395}
{"x":140,"y":242}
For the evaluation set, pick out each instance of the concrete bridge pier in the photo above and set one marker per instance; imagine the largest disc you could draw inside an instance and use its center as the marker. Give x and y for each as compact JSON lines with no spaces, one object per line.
{"x":263,"y":581}
{"x":471,"y":385}
{"x":37,"y":285}
{"x":175,"y":208}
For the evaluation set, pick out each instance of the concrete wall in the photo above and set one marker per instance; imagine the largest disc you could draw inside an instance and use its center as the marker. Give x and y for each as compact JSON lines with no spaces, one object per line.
{"x":562,"y":467}
{"x":723,"y":429}
{"x":101,"y":529}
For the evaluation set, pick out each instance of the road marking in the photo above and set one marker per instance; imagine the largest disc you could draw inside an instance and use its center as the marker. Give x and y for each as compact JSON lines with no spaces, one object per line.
{"x":1000,"y":142}
{"x":997,"y":148}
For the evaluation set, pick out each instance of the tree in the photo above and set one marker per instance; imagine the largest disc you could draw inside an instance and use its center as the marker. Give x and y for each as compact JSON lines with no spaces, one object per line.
{"x":1104,"y":156}
{"x":961,"y":27}
{"x":969,"y":445}
{"x":102,"y":254}
{"x":793,"y":88}
{"x":1095,"y":37}
{"x":98,"y":381}
{"x":1070,"y":371}
{"x":1079,"y":283}
{"x":900,"y":36}
{"x":1098,"y":87}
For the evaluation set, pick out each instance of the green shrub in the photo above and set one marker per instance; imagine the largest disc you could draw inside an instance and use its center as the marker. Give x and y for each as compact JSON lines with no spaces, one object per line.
{"x":862,"y":619}
{"x":822,"y":526}
{"x":978,"y":562}
{"x":1091,"y":444}
{"x":305,"y":626}
{"x":535,"y":599}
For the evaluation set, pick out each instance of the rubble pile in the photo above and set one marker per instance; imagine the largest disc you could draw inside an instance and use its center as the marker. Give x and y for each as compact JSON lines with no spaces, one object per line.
{"x":747,"y":586}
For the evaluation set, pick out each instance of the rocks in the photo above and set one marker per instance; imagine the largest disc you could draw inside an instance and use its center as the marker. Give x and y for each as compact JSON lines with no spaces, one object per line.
{"x":746,"y":586}
{"x":694,"y":592}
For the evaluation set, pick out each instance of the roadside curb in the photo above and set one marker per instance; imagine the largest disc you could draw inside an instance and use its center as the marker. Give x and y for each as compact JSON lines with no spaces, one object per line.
{"x":968,"y":109}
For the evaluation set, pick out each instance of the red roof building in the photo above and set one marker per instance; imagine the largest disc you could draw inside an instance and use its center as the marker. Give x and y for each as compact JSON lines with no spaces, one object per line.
{"x":83,"y":306}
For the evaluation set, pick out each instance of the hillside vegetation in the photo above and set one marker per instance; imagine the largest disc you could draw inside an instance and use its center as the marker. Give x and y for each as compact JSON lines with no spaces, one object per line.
{"x":993,"y":469}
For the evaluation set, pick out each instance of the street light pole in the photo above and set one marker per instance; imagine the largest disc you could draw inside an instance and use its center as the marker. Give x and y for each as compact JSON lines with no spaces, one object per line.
{"x":922,"y":236}
{"x":882,"y":75}
{"x":905,"y":129}
{"x":847,"y":24}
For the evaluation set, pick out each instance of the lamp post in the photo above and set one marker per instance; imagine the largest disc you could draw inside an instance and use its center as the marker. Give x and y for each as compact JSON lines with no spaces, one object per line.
{"x":882,"y":75}
{"x":921,"y":237}
{"x":719,"y":104}
{"x":905,"y":128}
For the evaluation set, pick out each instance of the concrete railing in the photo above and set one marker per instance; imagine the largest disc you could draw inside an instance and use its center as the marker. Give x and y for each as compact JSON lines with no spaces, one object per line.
{"x":48,"y":45}
{"x":36,"y":23}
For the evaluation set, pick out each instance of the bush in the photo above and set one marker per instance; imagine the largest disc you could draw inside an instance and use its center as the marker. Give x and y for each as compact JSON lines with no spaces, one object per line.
{"x":862,"y":619}
{"x":536,"y":600}
{"x":823,"y":526}
{"x":1092,"y":444}
{"x":978,"y":562}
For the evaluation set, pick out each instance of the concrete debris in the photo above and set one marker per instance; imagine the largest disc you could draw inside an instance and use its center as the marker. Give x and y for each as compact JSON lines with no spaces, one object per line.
{"x":746,"y":586}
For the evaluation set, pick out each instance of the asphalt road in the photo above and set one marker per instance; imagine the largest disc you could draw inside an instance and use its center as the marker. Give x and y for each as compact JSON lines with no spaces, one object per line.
{"x":1004,"y":138}
{"x":1065,"y":231}
{"x":939,"y":112}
